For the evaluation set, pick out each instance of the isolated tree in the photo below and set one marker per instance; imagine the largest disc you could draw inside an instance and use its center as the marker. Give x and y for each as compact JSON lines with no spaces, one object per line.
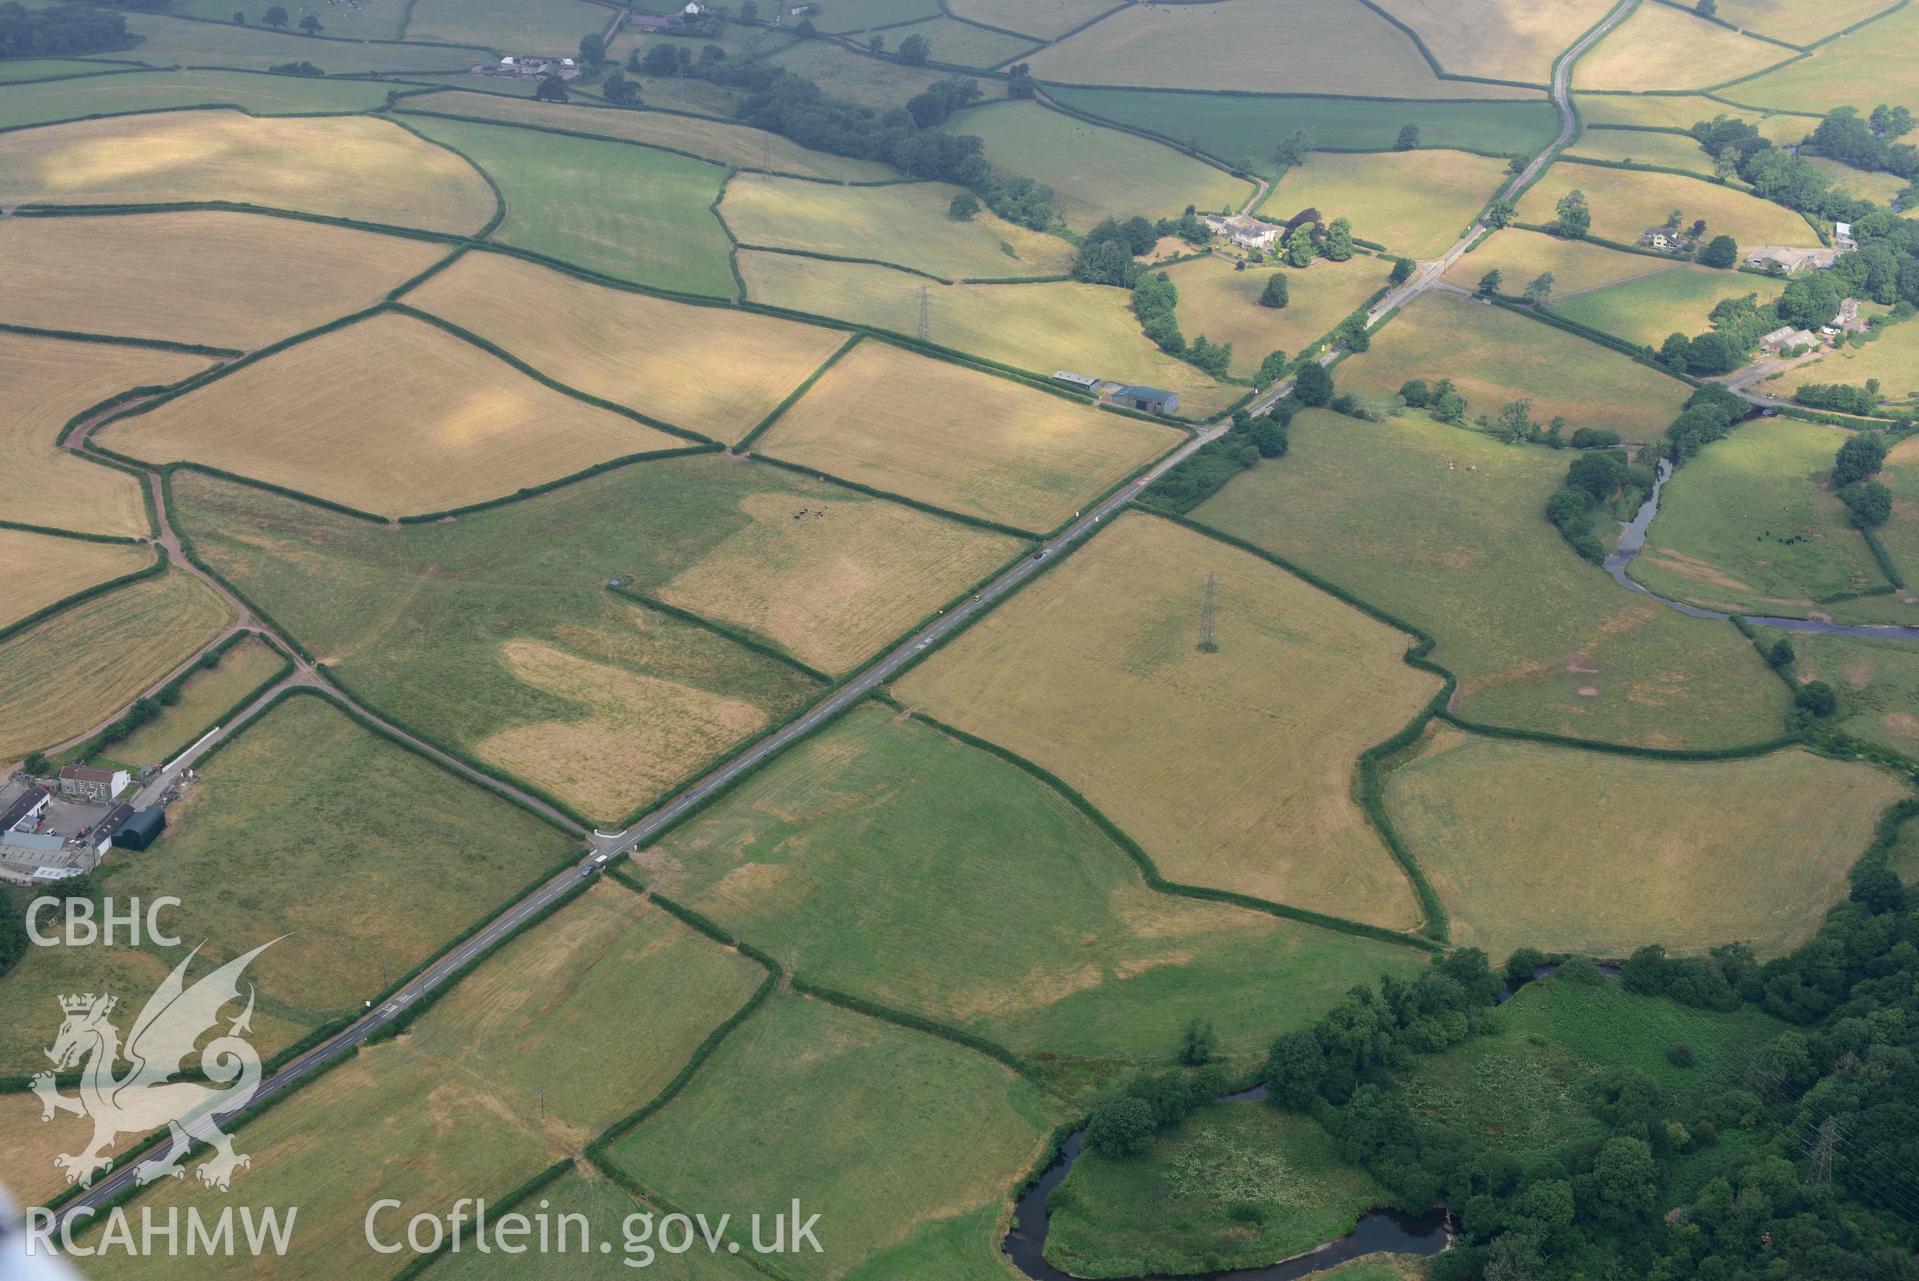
{"x":240,"y":16}
{"x":1292,"y":150}
{"x":1338,"y":245}
{"x":1272,"y":367}
{"x":1122,"y":1128}
{"x":275,"y":16}
{"x":1781,"y":654}
{"x":1722,"y":252}
{"x":1353,"y":333}
{"x":552,"y":89}
{"x":1516,"y":422}
{"x":1416,"y":393}
{"x":914,"y":50}
{"x":1269,"y":438}
{"x":1299,"y":247}
{"x":964,"y":206}
{"x":617,"y":88}
{"x":1197,"y":1046}
{"x":876,"y":45}
{"x":1448,"y":405}
{"x":1870,"y":501}
{"x":1575,"y":217}
{"x":1707,"y":8}
{"x":749,"y":11}
{"x":310,"y":25}
{"x":1019,"y":81}
{"x":1540,"y":291}
{"x":806,"y":30}
{"x":592,"y":49}
{"x":1402,"y":271}
{"x":1408,"y":138}
{"x":37,"y":764}
{"x":1276,"y":293}
{"x":1817,"y":697}
{"x":1500,"y":213}
{"x":1489,"y":283}
{"x":1861,"y":456}
{"x":1313,"y":385}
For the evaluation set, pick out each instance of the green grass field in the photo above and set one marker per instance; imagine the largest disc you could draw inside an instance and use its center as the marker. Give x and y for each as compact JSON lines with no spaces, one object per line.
{"x":1045,"y":19}
{"x":906,"y":223}
{"x":464,"y":1104}
{"x":1646,"y":310}
{"x":1414,"y":202}
{"x":628,"y":212}
{"x":156,"y":90}
{"x":1877,"y":682}
{"x":1863,"y":184}
{"x":1242,"y":128}
{"x":1038,"y":327}
{"x":960,"y":43}
{"x":1522,"y":1091}
{"x":855,"y":16}
{"x":879,"y":83}
{"x":367,"y":20}
{"x":1750,"y":850}
{"x":1625,"y":203}
{"x":1235,"y":1185}
{"x":1496,"y":356}
{"x":366,"y":856}
{"x":495,"y":634}
{"x":886,"y":859}
{"x":207,"y":695}
{"x":1444,"y":528}
{"x":1682,"y":111}
{"x":1095,"y":172}
{"x":1861,"y":69}
{"x":1892,"y":358}
{"x":805,"y":1098}
{"x":177,"y":42}
{"x":1642,"y":147}
{"x":1752,"y":525}
{"x":550,"y":27}
{"x":1223,"y":304}
{"x":14,"y":70}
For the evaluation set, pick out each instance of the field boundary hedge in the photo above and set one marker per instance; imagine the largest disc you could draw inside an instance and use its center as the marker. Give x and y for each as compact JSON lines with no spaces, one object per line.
{"x":722,"y":630}
{"x":1439,"y":71}
{"x":85,"y":594}
{"x":117,"y":340}
{"x":504,"y":1205}
{"x":826,"y":257}
{"x":1149,"y":870}
{"x":792,"y":398}
{"x":920,"y":1023}
{"x":870,"y":491}
{"x":77,"y":536}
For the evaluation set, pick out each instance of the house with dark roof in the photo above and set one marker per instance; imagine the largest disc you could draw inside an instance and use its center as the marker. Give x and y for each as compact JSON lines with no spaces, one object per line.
{"x":21,"y":805}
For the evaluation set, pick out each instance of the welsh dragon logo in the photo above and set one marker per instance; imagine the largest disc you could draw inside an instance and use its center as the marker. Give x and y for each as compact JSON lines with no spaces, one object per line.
{"x":146,"y":1098}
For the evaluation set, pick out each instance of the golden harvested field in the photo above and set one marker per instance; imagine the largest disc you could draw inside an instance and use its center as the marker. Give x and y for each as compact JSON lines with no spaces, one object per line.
{"x":959,"y":439}
{"x":1413,"y":202}
{"x":714,"y":370}
{"x":1867,"y":67}
{"x":391,"y":416}
{"x":1233,"y":769}
{"x":1495,"y":357}
{"x":1046,"y":19}
{"x":1753,"y":850}
{"x":1682,"y":111}
{"x":1640,"y":147}
{"x":458,"y":1107}
{"x":1223,"y":304}
{"x":1625,"y":202}
{"x":1521,"y":256}
{"x":872,"y":569}
{"x":26,"y":1164}
{"x":1503,"y":39}
{"x":1097,"y":172}
{"x":714,"y":139}
{"x":344,"y":166}
{"x":1797,"y":22}
{"x":255,"y":279}
{"x":1319,"y":46}
{"x":38,"y":569}
{"x":68,"y":673}
{"x":1663,"y":47}
{"x":906,"y":222}
{"x":45,"y":382}
{"x":1041,"y":327}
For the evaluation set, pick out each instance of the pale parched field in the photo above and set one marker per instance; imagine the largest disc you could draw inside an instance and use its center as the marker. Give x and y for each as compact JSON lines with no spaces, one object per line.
{"x":729,"y":144}
{"x":1798,"y":22}
{"x":1503,"y":40}
{"x":897,"y":1138}
{"x":46,"y":381}
{"x":1753,"y":850}
{"x":1413,"y":202}
{"x":1046,"y":19}
{"x":1494,"y":357}
{"x":254,"y":279}
{"x":1233,"y":769}
{"x":1626,"y":202}
{"x":960,"y":439}
{"x":1436,"y":525}
{"x":344,"y":166}
{"x":717,"y":371}
{"x":1521,"y":256}
{"x":1664,"y":47}
{"x":1223,"y":304}
{"x":390,"y":415}
{"x":872,"y":568}
{"x":906,"y":222}
{"x":458,"y":1107}
{"x":1643,"y":147}
{"x":142,"y":90}
{"x":68,"y":673}
{"x":1040,"y":327}
{"x":1683,"y":111}
{"x":38,"y":569}
{"x":1096,"y":172}
{"x":1319,"y":46}
{"x":1862,"y":69}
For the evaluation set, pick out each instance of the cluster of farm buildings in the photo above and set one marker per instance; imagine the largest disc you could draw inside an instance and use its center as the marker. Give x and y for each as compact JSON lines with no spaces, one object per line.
{"x":60,"y":827}
{"x":1151,"y":400}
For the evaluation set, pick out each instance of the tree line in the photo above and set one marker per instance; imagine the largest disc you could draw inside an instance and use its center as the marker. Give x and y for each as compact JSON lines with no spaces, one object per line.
{"x":61,"y":29}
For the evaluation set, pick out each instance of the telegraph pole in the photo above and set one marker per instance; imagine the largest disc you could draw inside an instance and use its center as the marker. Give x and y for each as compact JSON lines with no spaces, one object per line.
{"x":1207,"y":643}
{"x":926,"y":311}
